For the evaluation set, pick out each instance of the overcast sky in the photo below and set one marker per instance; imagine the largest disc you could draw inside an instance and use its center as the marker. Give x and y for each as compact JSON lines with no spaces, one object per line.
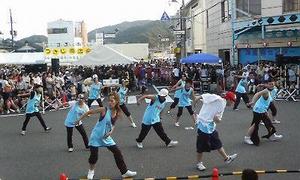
{"x":31,"y":16}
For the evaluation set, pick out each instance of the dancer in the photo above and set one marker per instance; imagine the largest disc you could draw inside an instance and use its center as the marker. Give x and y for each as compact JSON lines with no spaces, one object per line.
{"x":241,"y":92}
{"x":32,"y":109}
{"x":185,"y":101}
{"x":122,"y":91}
{"x":208,"y":137}
{"x":74,"y":114}
{"x":152,"y":118}
{"x":180,"y":83}
{"x":273,"y":92}
{"x":101,"y":135}
{"x":95,"y":92}
{"x":262,"y":102}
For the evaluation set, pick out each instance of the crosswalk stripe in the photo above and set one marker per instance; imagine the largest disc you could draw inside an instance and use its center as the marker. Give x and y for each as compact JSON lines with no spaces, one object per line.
{"x":131,"y":100}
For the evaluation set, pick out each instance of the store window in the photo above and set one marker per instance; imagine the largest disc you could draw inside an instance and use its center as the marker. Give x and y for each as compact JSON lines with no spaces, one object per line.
{"x":248,"y":8}
{"x":57,"y":30}
{"x":291,"y":6}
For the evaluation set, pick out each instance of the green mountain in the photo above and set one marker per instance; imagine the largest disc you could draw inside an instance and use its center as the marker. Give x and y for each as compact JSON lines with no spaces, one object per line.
{"x":137,"y":32}
{"x":144,"y":31}
{"x":34,"y":41}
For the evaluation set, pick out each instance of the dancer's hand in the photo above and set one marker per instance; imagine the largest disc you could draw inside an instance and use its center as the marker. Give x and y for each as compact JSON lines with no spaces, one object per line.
{"x":107,"y":134}
{"x":249,"y":104}
{"x":76,"y":123}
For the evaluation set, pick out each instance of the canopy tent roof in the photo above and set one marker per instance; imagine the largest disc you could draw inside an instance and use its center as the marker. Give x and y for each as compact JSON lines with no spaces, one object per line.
{"x":104,"y":55}
{"x":26,"y":48}
{"x":201,"y":58}
{"x":22,"y":58}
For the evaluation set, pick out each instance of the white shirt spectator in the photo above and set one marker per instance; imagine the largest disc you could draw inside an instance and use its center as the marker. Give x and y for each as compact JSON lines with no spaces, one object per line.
{"x":292,"y":75}
{"x":176,"y":72}
{"x":37,"y":80}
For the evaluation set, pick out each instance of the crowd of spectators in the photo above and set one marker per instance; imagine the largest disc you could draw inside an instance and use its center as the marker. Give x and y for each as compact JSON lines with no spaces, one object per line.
{"x":64,"y":84}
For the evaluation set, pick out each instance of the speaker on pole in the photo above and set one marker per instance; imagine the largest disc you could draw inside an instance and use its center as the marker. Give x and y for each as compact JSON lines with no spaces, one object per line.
{"x":55,"y":65}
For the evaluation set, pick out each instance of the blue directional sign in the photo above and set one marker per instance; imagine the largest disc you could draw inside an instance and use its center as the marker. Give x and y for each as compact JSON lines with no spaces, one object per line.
{"x":165,"y":17}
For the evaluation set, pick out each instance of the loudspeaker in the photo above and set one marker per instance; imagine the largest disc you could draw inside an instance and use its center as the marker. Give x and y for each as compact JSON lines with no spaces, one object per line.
{"x":55,"y":65}
{"x":35,"y":68}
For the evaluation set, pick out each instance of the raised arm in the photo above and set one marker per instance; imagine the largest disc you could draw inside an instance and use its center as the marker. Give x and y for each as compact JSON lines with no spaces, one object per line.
{"x":152,"y":97}
{"x":90,"y":112}
{"x":257,"y":96}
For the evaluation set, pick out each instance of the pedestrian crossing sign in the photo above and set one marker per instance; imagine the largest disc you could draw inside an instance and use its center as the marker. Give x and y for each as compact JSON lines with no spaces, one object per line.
{"x":165,"y":17}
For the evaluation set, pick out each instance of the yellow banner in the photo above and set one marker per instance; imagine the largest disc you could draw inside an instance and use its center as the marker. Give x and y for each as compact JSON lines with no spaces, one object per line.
{"x":63,"y":51}
{"x":47,"y":51}
{"x":55,"y":52}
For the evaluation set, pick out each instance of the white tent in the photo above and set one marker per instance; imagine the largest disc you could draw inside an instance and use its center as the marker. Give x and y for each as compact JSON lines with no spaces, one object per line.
{"x":104,"y":55}
{"x":22,"y":58}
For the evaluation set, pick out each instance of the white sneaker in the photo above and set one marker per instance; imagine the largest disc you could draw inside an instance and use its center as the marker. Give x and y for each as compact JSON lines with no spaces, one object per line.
{"x":133,"y":125}
{"x":247,"y":140}
{"x":129,"y":174}
{"x":200,"y":166}
{"x":275,"y":137}
{"x":275,"y":121}
{"x":91,"y":174}
{"x":177,"y":124}
{"x":230,"y":158}
{"x":70,"y":149}
{"x":7,"y":111}
{"x":18,"y":111}
{"x":23,"y":133}
{"x":139,"y":145}
{"x":172,"y":143}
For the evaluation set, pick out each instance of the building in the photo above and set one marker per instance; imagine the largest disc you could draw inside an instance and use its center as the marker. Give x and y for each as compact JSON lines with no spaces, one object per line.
{"x":243,"y":31}
{"x":195,"y":27}
{"x":66,"y":40}
{"x":264,"y":29}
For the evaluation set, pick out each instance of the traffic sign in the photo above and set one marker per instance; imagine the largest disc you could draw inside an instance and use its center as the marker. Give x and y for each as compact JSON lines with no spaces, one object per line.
{"x":165,"y":17}
{"x":179,"y":32}
{"x":109,"y":35}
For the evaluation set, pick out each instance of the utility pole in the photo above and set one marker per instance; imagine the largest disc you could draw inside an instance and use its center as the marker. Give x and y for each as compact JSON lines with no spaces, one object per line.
{"x":182,"y":28}
{"x":12,"y":32}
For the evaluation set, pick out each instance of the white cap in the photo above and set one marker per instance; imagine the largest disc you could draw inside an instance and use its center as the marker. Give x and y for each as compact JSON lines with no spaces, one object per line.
{"x":163,"y":92}
{"x":95,"y":76}
{"x":80,"y":96}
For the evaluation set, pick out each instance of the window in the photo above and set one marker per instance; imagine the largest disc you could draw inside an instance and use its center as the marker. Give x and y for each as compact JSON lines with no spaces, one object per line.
{"x":291,"y":5}
{"x":225,"y":14}
{"x":248,"y":7}
{"x":57,"y":30}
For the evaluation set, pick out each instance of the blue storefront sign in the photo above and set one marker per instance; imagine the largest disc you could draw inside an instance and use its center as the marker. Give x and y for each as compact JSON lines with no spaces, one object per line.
{"x":253,"y":55}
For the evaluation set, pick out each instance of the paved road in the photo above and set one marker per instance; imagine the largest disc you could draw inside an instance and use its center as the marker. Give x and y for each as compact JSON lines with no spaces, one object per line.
{"x":40,"y":155}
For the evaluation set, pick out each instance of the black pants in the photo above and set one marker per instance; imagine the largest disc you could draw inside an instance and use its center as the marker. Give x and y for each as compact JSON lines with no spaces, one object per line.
{"x":90,"y":101}
{"x":273,"y":109}
{"x":29,"y":115}
{"x":158,"y":129}
{"x":117,"y":155}
{"x":81,"y":130}
{"x":257,"y":117}
{"x":174,"y":104}
{"x":125,"y":110}
{"x":189,"y":108}
{"x":238,"y":99}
